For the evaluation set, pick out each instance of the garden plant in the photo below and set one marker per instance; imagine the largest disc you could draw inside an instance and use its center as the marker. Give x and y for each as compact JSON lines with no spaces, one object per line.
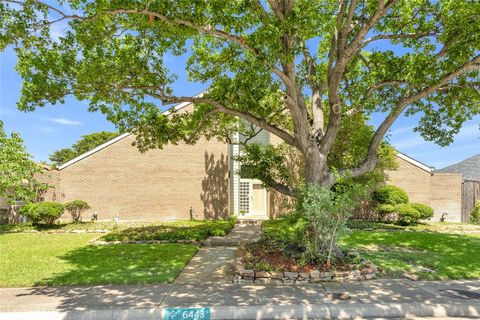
{"x":43,"y":212}
{"x":75,"y":208}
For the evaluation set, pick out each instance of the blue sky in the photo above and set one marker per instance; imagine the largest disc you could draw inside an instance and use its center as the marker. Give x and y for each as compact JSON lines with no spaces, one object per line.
{"x":54,"y":127}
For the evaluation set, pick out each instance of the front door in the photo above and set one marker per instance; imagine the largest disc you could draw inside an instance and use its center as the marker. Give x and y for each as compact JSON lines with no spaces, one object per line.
{"x":253,"y":200}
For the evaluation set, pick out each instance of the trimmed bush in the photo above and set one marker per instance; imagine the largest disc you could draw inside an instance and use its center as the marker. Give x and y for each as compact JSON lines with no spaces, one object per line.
{"x":46,"y":212}
{"x":407,"y":214}
{"x":282,"y":230}
{"x":75,"y":208}
{"x":386,"y":208}
{"x":475,"y":215}
{"x":426,"y":212}
{"x":389,"y":194}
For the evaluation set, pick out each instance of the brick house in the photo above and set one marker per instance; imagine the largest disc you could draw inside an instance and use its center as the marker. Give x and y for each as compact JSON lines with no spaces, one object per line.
{"x":440,"y":190}
{"x":203,"y":181}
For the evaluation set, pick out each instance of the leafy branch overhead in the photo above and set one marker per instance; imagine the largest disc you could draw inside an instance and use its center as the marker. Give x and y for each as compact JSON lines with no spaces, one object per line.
{"x":296,"y":68}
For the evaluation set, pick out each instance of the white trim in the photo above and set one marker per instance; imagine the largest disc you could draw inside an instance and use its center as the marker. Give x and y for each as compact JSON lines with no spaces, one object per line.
{"x":235,"y":149}
{"x":414,"y":162}
{"x":120,"y":137}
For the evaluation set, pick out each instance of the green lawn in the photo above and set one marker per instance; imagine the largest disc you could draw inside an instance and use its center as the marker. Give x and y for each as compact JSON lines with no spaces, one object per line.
{"x":451,"y":249}
{"x":68,"y":259}
{"x":452,"y":256}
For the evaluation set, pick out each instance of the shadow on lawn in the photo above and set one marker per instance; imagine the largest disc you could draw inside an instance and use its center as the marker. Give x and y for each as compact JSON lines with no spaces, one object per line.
{"x":452,"y":256}
{"x":195,"y":231}
{"x":123,"y":264}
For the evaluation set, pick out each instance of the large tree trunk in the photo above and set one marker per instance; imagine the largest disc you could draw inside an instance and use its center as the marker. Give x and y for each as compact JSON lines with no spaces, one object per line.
{"x":316,"y":168}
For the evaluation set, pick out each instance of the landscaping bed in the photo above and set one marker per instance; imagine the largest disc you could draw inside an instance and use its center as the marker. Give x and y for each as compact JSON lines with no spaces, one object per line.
{"x":262,"y":262}
{"x":189,"y":231}
{"x":428,"y":251}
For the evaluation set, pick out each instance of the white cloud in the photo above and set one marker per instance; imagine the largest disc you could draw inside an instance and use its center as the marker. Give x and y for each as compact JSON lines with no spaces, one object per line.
{"x":65,"y":121}
{"x":411,"y":142}
{"x":400,"y":130}
{"x":46,"y":129}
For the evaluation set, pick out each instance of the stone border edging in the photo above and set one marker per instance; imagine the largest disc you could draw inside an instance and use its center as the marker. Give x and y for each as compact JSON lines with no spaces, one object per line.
{"x":243,"y":275}
{"x":318,"y":311}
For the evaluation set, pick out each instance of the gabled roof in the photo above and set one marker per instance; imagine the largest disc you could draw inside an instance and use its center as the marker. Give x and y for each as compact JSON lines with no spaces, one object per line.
{"x":415,"y":162}
{"x":118,"y":138}
{"x":469,"y":168}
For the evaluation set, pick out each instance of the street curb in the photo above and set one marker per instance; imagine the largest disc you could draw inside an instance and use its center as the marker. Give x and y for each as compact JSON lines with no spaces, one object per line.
{"x":319,"y":311}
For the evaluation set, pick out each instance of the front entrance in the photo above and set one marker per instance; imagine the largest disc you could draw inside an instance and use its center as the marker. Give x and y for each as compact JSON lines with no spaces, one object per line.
{"x":253,"y":200}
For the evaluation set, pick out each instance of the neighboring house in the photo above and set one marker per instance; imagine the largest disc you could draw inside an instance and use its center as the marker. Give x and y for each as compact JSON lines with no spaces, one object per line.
{"x":440,"y":190}
{"x":173,"y":183}
{"x":203,"y":181}
{"x":469,"y":169}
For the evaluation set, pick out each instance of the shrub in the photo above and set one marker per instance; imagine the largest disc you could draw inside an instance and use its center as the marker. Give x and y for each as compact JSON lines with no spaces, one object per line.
{"x":75,"y":208}
{"x":425,"y":211}
{"x":323,"y":215}
{"x":281,"y":231}
{"x":386,"y":208}
{"x":389,"y":194}
{"x":407,"y":214}
{"x":46,"y":212}
{"x":475,"y":215}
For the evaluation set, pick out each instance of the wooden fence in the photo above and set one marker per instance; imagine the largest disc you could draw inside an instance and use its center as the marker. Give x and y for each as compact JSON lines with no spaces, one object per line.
{"x":470,"y":194}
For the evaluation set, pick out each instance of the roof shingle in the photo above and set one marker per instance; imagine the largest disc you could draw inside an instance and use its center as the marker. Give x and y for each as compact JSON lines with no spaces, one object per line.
{"x":469,"y":168}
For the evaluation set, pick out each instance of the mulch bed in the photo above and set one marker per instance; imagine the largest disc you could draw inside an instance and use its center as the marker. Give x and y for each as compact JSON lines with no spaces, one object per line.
{"x":260,"y":256}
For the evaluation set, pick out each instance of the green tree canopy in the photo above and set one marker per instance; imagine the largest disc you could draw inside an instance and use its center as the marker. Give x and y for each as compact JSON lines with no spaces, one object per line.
{"x":299,"y":69}
{"x":17,"y":170}
{"x":86,"y":143}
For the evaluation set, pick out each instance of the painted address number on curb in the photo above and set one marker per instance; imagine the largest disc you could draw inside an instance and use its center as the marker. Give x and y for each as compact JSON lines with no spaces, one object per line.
{"x":186,"y":314}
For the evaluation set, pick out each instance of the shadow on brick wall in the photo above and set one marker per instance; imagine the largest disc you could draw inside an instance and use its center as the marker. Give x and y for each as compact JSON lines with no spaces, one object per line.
{"x":215,"y":187}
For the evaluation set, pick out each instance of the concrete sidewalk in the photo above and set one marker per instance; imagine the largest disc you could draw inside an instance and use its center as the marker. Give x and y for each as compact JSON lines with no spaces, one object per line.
{"x":348,"y":300}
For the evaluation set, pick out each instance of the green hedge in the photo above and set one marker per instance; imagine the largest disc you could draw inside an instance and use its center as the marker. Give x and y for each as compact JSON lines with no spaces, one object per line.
{"x":425,"y":211}
{"x":389,"y":194}
{"x":407,"y":214}
{"x":188,"y":230}
{"x":46,"y":212}
{"x":279,"y":230}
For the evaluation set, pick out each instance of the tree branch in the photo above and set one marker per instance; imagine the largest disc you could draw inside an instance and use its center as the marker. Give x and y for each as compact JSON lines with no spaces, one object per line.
{"x":275,"y":5}
{"x":205,"y":29}
{"x":210,"y":30}
{"x":283,"y":189}
{"x":355,"y":45}
{"x":219,"y":107}
{"x":373,"y":88}
{"x":397,"y":36}
{"x":371,"y":159}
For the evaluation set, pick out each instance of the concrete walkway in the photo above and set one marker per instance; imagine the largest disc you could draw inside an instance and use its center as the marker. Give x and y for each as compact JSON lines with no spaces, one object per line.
{"x":210,"y":264}
{"x":371,"y":299}
{"x":215,"y":261}
{"x":241,"y":233}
